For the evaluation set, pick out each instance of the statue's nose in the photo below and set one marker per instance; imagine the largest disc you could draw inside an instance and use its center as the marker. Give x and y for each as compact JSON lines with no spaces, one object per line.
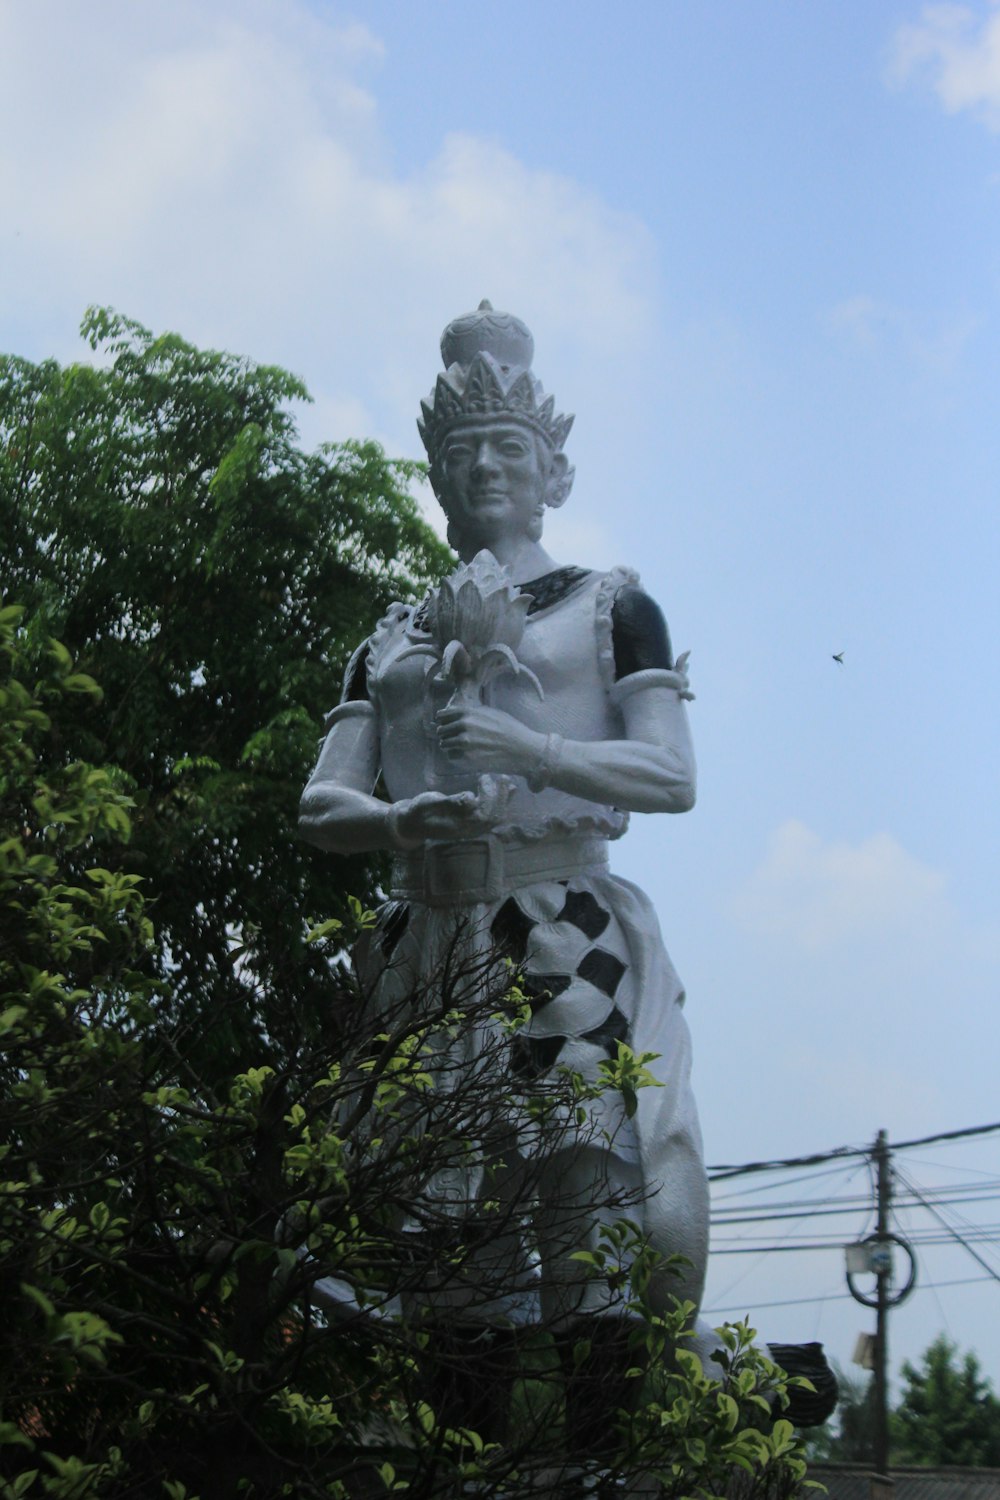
{"x":486,"y":460}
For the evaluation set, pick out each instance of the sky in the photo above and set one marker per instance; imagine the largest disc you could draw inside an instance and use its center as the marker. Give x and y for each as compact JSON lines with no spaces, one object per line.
{"x":758,"y":245}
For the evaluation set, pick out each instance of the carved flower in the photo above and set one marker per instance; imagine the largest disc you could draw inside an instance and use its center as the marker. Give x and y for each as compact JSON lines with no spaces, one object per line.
{"x":478,"y":606}
{"x":477,"y":620}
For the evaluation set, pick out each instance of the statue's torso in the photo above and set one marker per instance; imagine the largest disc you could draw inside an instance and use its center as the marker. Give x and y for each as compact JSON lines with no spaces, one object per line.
{"x":566,"y":645}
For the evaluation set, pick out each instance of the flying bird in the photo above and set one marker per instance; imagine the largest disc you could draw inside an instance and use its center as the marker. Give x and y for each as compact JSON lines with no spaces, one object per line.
{"x":838,"y":657}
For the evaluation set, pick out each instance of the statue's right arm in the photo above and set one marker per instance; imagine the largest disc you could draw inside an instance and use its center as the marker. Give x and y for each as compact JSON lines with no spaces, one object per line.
{"x":337,"y":810}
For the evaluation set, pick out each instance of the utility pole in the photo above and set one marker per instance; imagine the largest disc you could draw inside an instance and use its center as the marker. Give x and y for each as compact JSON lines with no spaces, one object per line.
{"x":874,"y":1256}
{"x":883,"y":1272}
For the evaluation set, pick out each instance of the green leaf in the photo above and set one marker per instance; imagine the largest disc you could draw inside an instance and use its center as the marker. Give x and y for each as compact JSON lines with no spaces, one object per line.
{"x":15,"y":1488}
{"x":11,"y":1436}
{"x":36,"y":1295}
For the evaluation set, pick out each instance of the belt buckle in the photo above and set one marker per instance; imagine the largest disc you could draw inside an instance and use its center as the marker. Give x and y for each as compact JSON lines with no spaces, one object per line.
{"x":464,"y":873}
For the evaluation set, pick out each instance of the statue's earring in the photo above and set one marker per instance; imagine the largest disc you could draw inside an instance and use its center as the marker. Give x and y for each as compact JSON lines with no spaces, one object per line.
{"x":560,"y":481}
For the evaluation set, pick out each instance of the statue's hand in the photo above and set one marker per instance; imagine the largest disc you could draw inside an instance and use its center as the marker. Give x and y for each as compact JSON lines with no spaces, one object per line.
{"x":487,"y":739}
{"x":434,"y":815}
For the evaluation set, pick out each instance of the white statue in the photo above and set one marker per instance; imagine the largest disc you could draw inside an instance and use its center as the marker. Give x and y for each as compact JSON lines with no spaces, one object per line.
{"x":516,"y":719}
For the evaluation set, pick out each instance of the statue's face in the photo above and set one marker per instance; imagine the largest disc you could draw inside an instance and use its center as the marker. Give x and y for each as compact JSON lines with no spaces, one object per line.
{"x":494,"y":476}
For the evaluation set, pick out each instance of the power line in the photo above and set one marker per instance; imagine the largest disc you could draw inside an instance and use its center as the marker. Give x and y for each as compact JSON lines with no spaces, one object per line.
{"x":923,"y":1286}
{"x":817,"y":1209}
{"x":834,"y":1207}
{"x":754,"y":1247}
{"x":784,"y":1210}
{"x":922,"y":1238}
{"x":941,"y":1166}
{"x":722,"y":1173}
{"x":962,"y":1240}
{"x":850,"y":1171}
{"x":947,"y":1135}
{"x":768,"y":1187}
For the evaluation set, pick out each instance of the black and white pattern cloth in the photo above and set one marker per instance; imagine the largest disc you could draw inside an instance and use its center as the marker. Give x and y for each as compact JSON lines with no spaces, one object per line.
{"x":562,"y":942}
{"x":570,"y":977}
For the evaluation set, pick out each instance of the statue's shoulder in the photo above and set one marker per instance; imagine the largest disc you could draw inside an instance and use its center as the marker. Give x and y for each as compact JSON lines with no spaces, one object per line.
{"x":632,"y":632}
{"x":398,"y":618}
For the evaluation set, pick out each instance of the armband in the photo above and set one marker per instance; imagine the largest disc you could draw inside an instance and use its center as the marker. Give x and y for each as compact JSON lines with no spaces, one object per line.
{"x":652,"y":677}
{"x":357,"y":708}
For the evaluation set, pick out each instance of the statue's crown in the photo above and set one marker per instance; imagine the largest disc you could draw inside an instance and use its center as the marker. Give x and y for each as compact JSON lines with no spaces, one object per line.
{"x":487,"y":358}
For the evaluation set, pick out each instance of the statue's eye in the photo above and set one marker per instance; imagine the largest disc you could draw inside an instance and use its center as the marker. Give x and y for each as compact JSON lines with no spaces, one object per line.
{"x":513,"y":448}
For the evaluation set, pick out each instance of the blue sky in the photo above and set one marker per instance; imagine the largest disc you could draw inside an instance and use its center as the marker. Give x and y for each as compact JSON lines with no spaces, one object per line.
{"x":758,"y":246}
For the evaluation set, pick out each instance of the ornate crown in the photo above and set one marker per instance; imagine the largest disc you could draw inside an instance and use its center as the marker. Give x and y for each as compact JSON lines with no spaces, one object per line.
{"x":487,"y":357}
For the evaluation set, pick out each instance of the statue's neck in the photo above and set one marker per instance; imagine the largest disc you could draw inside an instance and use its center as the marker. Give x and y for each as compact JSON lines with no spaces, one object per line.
{"x":524,"y":559}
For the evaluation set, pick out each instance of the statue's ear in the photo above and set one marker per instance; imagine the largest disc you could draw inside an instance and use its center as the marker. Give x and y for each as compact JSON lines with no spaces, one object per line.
{"x":560,"y":480}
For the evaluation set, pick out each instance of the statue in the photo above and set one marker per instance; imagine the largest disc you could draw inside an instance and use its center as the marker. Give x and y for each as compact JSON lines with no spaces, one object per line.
{"x":516,"y":719}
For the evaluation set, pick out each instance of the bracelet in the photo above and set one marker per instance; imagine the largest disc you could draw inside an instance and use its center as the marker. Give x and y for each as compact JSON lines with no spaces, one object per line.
{"x":548,"y":761}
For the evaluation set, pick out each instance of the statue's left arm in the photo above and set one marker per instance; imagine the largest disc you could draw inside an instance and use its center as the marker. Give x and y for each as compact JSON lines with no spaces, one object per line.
{"x":650,"y":769}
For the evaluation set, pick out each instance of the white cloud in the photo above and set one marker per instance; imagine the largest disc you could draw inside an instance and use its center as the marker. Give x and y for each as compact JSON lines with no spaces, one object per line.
{"x":958,"y":50}
{"x":868,"y":325}
{"x":866,"y":321}
{"x":220,"y":170}
{"x":824,"y":896}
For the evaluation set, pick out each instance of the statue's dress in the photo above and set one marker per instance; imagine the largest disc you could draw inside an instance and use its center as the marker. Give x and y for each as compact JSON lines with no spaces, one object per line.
{"x":539,"y":890}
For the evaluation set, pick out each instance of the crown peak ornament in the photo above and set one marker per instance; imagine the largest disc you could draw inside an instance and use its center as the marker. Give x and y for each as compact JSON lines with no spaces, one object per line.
{"x":487,"y":331}
{"x":488,"y":377}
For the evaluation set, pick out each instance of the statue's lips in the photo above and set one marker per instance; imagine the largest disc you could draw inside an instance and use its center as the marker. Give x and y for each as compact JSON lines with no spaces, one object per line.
{"x":488,"y":495}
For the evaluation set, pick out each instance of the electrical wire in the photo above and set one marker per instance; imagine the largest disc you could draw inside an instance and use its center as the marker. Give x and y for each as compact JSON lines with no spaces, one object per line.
{"x":946,"y":1135}
{"x":988,"y":1234}
{"x":954,"y":1234}
{"x":724,"y":1172}
{"x":941,"y":1166}
{"x":850,"y":1171}
{"x":728,"y":1214}
{"x":925,"y":1239}
{"x":768,"y":1187}
{"x":834,"y":1208}
{"x":922,"y":1286}
{"x":979,"y":1233}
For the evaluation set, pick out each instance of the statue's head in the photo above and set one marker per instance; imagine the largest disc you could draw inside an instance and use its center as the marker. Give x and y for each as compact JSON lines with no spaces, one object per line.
{"x":488,"y":384}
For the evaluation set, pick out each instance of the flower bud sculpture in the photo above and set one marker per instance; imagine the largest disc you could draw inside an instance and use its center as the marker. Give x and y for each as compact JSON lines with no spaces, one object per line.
{"x":477,"y":620}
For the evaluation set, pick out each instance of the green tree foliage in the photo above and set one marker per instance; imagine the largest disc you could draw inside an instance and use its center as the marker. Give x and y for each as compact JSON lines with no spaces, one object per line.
{"x":201,"y":1125}
{"x":948,"y":1412}
{"x":159,"y":519}
{"x":162,"y":1236}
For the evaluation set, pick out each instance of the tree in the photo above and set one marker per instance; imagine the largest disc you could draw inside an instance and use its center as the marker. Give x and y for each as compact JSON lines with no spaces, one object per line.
{"x":160,"y":520}
{"x":217,"y":1158}
{"x":948,"y":1412}
{"x":167,"y":1245}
